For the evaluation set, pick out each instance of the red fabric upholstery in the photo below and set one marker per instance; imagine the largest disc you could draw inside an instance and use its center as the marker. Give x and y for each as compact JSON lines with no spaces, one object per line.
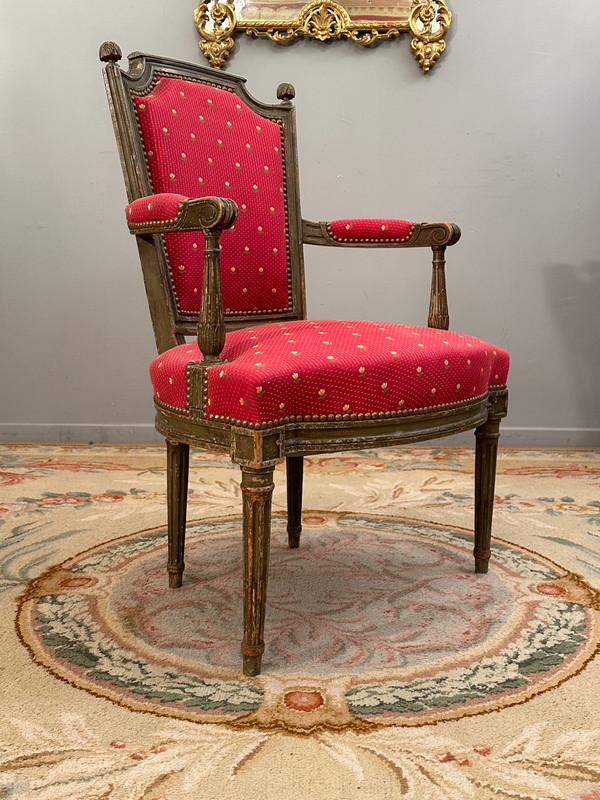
{"x":320,"y":369}
{"x":156,"y":208}
{"x":204,"y":141}
{"x":366,"y":230}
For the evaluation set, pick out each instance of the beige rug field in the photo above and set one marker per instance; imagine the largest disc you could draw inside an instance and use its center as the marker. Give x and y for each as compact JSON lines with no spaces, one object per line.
{"x":391,"y":670}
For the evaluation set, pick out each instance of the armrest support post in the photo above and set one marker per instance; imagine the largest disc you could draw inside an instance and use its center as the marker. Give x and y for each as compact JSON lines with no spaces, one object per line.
{"x":438,"y":301}
{"x":166,"y":212}
{"x":211,"y":324}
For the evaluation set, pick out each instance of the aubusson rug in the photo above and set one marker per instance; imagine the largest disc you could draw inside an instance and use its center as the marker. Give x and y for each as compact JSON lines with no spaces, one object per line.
{"x":391,"y":669}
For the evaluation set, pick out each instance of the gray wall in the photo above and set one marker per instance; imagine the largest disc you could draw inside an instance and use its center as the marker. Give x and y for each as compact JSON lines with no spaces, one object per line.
{"x":502,"y":137}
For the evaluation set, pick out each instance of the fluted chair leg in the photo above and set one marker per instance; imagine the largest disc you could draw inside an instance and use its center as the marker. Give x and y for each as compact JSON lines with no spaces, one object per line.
{"x":257,"y":492}
{"x":486,"y":452}
{"x":294,"y":467}
{"x":178,"y":460}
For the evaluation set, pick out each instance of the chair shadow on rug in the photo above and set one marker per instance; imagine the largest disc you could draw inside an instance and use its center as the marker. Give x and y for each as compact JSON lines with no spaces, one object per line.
{"x":200,"y":158}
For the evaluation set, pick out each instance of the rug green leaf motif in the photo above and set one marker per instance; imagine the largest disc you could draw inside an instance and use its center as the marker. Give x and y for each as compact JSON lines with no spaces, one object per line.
{"x":384,"y":655}
{"x":375,"y":620}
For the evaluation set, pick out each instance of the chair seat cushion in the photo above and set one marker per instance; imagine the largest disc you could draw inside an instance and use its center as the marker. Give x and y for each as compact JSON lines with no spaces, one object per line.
{"x":322,"y":370}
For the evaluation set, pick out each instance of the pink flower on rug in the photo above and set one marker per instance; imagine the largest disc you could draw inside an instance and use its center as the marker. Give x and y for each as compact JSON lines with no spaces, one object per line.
{"x":304,"y":701}
{"x":448,"y":455}
{"x":108,"y":498}
{"x":482,"y":749}
{"x":552,"y":589}
{"x":139,"y":755}
{"x":592,"y":794}
{"x":74,"y":466}
{"x":13,"y":478}
{"x":62,"y":500}
{"x":13,"y":508}
{"x":118,"y":744}
{"x":312,"y":519}
{"x":158,"y":748}
{"x":446,"y":758}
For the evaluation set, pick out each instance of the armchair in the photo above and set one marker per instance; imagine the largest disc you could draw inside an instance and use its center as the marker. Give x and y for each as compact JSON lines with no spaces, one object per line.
{"x":211,"y":177}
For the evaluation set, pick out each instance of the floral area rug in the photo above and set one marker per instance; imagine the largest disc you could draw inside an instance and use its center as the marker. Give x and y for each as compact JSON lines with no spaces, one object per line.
{"x":391,"y":669}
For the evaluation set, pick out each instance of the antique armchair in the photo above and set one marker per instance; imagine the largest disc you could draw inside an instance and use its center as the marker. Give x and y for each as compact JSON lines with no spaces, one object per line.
{"x":202,"y":159}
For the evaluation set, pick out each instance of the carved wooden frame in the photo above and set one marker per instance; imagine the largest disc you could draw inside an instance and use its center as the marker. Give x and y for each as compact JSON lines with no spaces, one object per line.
{"x":428,"y":22}
{"x":258,"y":447}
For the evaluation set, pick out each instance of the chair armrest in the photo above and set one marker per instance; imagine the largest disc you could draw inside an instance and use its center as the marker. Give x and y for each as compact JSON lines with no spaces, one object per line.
{"x":380,"y":233}
{"x":394,"y":233}
{"x":162,"y":213}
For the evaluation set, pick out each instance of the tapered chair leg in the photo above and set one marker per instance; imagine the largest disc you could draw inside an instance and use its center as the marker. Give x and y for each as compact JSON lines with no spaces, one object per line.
{"x":486,"y":451}
{"x":294,"y":467}
{"x":257,"y":492}
{"x":178,"y":460}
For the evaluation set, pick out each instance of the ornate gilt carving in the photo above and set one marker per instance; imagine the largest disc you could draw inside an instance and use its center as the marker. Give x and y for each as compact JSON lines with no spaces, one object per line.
{"x":428,"y":21}
{"x":215,"y":29}
{"x":323,"y":20}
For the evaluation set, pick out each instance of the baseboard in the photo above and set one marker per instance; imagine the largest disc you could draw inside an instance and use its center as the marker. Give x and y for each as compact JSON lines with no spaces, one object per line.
{"x":90,"y":434}
{"x":145,"y":433}
{"x":538,"y":437}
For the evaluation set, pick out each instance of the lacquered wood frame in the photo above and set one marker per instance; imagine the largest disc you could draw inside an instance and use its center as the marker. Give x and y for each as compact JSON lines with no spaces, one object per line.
{"x":258,"y":448}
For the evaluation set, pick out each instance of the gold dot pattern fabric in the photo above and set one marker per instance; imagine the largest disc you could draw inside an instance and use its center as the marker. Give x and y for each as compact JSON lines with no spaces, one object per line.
{"x":202,"y":141}
{"x":324,"y":369}
{"x":370,"y":230}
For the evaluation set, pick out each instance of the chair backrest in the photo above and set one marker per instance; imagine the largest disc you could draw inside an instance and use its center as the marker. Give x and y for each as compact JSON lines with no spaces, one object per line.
{"x":194,"y":131}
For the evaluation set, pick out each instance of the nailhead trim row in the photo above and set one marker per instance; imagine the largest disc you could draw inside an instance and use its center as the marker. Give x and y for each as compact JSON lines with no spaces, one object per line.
{"x":373,"y":417}
{"x":378,"y":240}
{"x":159,"y":225}
{"x":181,"y":412}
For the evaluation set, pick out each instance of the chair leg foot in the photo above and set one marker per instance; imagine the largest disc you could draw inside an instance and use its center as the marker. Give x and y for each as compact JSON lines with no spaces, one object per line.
{"x":178,"y":460}
{"x":175,"y":579}
{"x":294,"y":538}
{"x":486,"y":452}
{"x":257,"y":492}
{"x":481,"y":565}
{"x":252,"y":665}
{"x":294,"y":466}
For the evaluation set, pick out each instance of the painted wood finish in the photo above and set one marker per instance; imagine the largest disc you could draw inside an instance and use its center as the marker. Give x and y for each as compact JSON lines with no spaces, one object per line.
{"x":257,"y":451}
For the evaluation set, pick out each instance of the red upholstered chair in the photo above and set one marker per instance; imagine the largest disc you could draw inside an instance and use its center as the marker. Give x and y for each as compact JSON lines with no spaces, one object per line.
{"x":202,"y":158}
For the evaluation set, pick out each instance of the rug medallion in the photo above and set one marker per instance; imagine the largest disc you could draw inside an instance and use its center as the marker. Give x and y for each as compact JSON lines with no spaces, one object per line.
{"x":374,"y":621}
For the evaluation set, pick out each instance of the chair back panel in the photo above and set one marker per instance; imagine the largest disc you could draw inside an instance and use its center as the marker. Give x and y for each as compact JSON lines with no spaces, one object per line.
{"x":196,"y":132}
{"x":200,"y":140}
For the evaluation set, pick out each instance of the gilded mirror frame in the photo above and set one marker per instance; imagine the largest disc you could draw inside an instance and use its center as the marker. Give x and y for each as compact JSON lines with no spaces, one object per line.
{"x":427,"y":20}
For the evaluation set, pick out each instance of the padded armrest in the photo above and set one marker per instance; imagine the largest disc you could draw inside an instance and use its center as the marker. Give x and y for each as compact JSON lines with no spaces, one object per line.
{"x":370,"y":230}
{"x":161,"y":213}
{"x":379,"y":233}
